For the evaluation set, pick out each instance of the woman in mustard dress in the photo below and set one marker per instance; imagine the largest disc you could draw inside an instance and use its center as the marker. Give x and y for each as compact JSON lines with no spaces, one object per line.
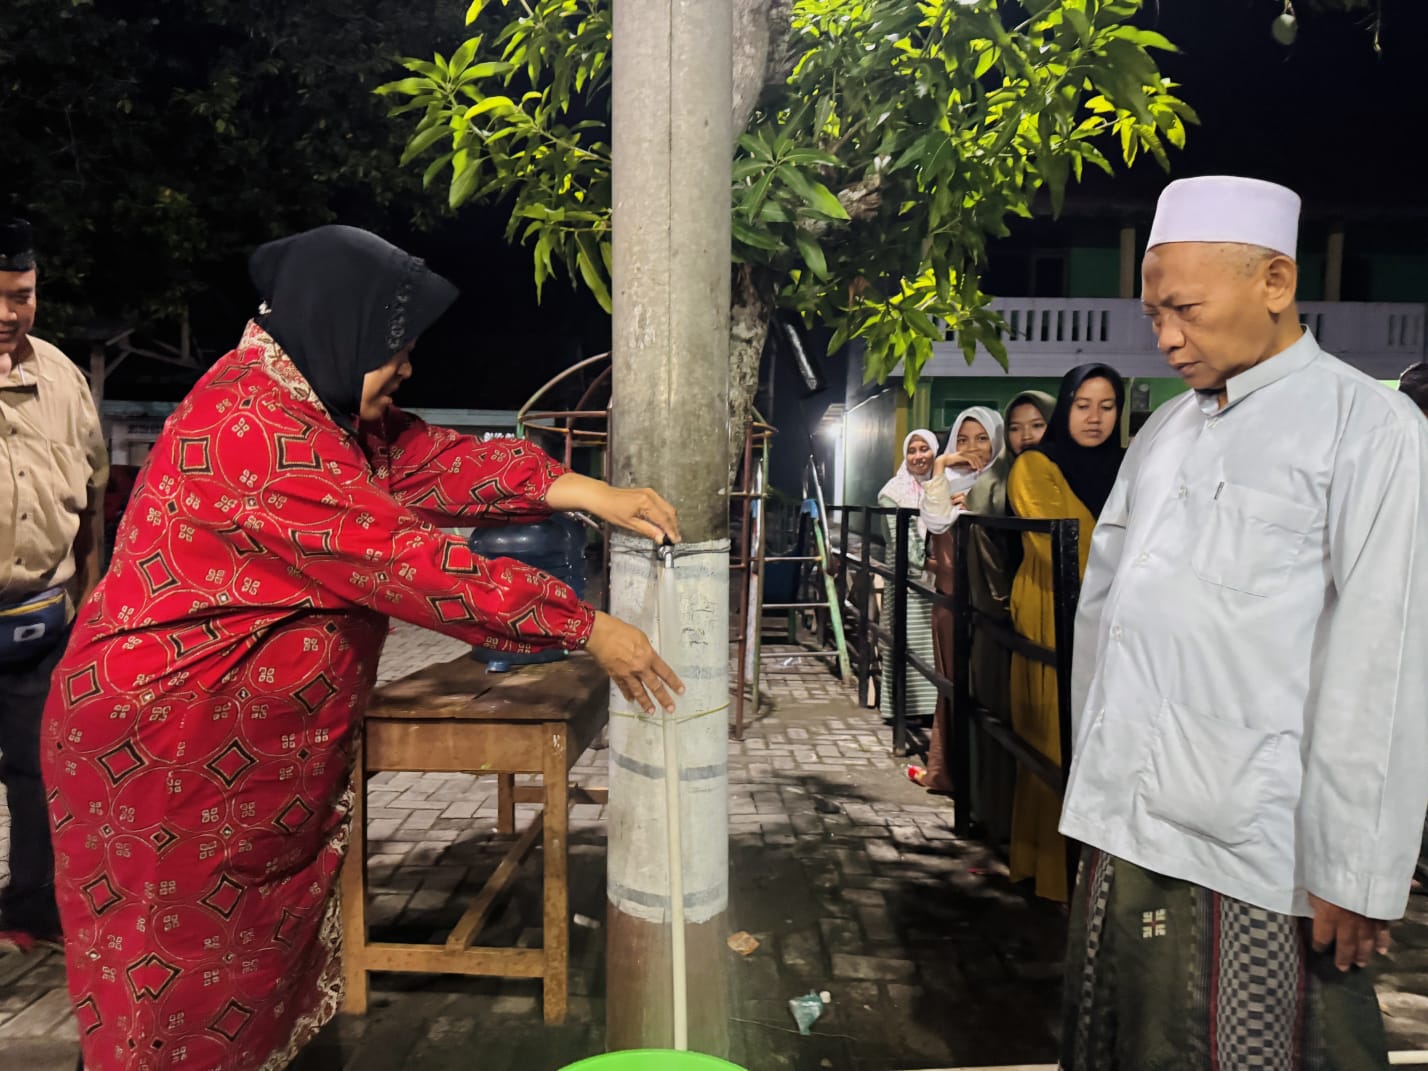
{"x":1067,"y":475}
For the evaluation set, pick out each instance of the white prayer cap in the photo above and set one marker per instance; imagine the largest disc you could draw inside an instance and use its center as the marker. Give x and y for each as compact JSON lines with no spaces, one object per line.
{"x":1226,"y":208}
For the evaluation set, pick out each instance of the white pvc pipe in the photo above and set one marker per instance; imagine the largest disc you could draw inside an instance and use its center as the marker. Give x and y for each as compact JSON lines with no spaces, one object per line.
{"x":669,"y":638}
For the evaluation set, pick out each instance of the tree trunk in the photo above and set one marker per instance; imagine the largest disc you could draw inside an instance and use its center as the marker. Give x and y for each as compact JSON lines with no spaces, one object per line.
{"x":749,"y":320}
{"x":759,"y":29}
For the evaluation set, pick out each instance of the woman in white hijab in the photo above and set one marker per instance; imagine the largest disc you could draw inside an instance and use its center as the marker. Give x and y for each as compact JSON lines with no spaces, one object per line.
{"x":906,"y":490}
{"x":973,"y":444}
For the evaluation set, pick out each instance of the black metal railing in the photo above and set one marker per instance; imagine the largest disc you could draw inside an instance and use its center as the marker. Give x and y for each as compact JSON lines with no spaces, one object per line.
{"x":969,"y":716}
{"x":857,"y":565}
{"x":858,"y":556}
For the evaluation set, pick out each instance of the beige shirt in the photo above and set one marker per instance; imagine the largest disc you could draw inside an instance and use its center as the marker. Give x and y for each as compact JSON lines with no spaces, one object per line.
{"x":53,"y":467}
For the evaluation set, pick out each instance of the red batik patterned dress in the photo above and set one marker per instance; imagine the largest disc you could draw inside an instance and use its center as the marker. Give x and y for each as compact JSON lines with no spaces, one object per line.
{"x":199,"y":734}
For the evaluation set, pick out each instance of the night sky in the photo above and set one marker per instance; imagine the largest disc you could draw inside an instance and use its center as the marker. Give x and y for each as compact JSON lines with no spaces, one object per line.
{"x":1326,"y":116}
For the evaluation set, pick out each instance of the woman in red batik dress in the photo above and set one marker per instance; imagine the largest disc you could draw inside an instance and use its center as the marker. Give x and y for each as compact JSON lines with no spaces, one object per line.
{"x":201,"y":728}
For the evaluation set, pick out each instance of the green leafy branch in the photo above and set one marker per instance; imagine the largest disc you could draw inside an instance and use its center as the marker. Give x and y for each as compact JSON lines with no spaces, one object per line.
{"x":897,"y":142}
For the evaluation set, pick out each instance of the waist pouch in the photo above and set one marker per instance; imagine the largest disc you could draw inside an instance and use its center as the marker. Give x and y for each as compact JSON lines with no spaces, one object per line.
{"x":31,"y":628}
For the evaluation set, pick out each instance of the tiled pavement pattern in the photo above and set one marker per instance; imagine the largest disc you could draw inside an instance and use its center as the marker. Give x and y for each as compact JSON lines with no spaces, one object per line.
{"x":848,"y":875}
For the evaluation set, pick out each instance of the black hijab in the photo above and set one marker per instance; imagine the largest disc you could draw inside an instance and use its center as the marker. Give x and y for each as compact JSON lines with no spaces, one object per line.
{"x":340,"y":302}
{"x":1089,"y":470}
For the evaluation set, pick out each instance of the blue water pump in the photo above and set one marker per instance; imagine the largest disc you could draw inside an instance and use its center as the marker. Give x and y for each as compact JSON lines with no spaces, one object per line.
{"x":555,"y":546}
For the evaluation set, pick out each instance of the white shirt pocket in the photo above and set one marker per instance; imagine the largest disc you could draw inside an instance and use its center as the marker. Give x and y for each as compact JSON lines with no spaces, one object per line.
{"x":1211,"y":777}
{"x":1249,"y":540}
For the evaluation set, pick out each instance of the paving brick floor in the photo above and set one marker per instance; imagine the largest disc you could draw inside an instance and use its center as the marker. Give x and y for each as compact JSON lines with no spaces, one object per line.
{"x":849,"y":876}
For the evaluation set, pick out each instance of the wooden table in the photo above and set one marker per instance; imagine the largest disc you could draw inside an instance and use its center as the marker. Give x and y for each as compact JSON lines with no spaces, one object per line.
{"x":457,"y":718}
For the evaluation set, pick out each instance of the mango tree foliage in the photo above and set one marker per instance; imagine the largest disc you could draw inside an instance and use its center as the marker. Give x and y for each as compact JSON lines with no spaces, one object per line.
{"x":892,"y":141}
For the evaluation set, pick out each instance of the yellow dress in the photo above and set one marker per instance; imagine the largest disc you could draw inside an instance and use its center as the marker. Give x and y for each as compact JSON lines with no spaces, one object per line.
{"x":1036,"y":489}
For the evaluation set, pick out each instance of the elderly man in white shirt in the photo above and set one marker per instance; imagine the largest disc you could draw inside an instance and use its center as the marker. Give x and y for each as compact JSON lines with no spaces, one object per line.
{"x":1250,"y":769}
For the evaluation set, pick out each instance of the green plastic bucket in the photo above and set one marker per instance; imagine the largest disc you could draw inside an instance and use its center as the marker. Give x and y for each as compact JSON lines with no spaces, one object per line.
{"x":653,"y":1060}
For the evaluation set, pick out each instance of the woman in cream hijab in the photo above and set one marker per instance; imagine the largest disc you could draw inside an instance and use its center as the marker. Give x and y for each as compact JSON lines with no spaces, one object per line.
{"x":906,"y":490}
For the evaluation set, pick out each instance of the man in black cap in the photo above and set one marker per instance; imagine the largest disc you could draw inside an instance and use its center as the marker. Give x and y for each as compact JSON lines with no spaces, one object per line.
{"x":53,"y":467}
{"x":17,"y":262}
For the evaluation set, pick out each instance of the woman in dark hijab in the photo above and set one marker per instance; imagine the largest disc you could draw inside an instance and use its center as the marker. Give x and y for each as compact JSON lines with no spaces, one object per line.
{"x":199,"y":742}
{"x":1068,"y":474}
{"x":1083,"y":437}
{"x":341,"y":303}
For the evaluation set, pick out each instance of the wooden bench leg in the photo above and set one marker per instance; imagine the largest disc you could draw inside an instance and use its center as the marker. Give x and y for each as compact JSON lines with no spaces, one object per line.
{"x":557,"y":895}
{"x":464,"y":934}
{"x":354,"y":899}
{"x":505,"y":803}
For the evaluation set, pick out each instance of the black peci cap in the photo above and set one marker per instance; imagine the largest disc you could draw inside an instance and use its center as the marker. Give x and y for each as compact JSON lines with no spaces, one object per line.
{"x":17,"y":245}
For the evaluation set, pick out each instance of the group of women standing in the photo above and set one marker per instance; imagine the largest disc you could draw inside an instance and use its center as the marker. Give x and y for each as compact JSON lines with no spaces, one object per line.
{"x":1041,"y":458}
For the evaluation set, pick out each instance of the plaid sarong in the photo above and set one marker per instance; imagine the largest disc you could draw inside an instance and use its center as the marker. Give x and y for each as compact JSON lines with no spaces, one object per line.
{"x":1163,"y":975}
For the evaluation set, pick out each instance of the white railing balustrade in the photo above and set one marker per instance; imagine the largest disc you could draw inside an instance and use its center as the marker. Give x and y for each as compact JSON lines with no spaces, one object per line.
{"x":1046,"y":336}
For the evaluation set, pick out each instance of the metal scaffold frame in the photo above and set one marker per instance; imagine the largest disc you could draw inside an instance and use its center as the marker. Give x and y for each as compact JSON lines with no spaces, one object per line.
{"x":752,"y":560}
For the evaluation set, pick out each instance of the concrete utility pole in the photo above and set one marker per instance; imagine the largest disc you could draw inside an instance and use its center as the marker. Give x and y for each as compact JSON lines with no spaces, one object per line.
{"x":670,"y":430}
